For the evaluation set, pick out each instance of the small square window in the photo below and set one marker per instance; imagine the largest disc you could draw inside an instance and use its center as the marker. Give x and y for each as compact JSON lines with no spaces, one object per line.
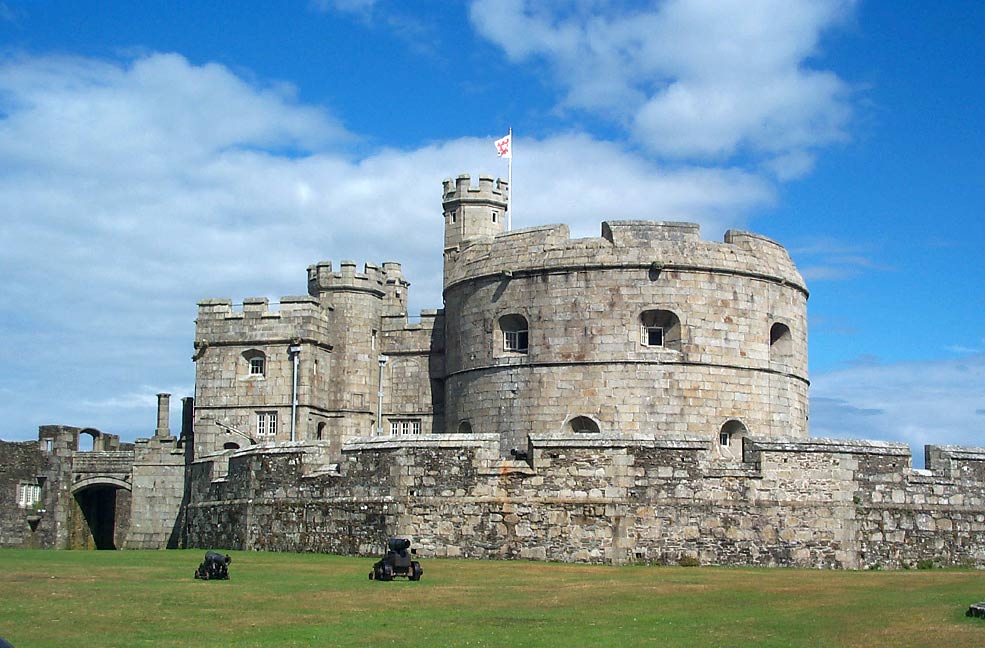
{"x":652,"y":336}
{"x":256,"y":366}
{"x":515,"y":341}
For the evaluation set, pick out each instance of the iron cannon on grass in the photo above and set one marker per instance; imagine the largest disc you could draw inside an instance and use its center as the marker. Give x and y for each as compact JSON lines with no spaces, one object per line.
{"x":215,"y":567}
{"x":397,"y":562}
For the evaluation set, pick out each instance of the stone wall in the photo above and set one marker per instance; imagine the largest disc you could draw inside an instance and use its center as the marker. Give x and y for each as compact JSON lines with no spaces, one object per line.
{"x":20,"y":463}
{"x":602,"y":499}
{"x":584,"y":301}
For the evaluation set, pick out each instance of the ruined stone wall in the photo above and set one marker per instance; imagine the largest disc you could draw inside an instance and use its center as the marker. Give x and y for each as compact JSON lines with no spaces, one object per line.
{"x":20,"y":463}
{"x":584,"y":300}
{"x":602,"y":499}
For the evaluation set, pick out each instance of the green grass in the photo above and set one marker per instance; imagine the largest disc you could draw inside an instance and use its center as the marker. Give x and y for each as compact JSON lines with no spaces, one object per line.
{"x":137,"y":598}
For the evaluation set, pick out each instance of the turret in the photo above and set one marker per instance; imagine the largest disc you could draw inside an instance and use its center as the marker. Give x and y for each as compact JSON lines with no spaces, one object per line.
{"x":473,"y":212}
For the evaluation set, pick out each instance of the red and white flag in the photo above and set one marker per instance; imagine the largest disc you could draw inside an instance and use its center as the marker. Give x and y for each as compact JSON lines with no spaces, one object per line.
{"x":504,"y":146}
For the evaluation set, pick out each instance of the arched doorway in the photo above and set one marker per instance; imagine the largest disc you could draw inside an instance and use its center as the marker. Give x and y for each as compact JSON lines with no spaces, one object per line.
{"x":101,"y":517}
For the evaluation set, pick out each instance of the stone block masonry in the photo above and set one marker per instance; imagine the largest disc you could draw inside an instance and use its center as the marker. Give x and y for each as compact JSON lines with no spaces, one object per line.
{"x":603,"y":499}
{"x":639,"y":396}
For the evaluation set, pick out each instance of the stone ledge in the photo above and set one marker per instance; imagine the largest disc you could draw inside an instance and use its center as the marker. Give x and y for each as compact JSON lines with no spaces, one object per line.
{"x":834,"y":446}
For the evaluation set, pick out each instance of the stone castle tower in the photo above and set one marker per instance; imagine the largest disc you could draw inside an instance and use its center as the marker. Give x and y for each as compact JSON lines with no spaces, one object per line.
{"x":645,"y":328}
{"x":637,"y":396}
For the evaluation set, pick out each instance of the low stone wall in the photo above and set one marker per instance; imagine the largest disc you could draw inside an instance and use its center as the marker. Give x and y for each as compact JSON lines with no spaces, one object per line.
{"x":601,"y":499}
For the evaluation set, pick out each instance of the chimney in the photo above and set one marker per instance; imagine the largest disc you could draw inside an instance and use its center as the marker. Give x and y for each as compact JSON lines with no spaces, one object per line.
{"x":163,"y":416}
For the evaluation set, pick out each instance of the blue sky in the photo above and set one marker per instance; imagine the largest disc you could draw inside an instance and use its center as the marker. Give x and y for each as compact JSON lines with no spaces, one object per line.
{"x":154,"y":154}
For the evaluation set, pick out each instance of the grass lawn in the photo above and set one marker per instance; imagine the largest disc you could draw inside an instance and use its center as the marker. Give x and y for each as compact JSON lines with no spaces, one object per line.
{"x":149,"y":598}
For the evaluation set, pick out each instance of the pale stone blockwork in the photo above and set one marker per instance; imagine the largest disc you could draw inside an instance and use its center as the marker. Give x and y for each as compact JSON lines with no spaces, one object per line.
{"x":640,"y":396}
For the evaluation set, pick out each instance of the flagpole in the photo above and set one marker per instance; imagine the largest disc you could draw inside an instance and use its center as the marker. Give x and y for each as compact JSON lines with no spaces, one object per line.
{"x":509,"y":198}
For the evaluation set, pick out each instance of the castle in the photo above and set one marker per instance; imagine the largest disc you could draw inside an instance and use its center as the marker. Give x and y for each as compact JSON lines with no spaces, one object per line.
{"x":637,"y":396}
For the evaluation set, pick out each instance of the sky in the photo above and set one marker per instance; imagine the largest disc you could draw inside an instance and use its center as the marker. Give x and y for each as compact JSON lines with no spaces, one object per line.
{"x":155,"y":154}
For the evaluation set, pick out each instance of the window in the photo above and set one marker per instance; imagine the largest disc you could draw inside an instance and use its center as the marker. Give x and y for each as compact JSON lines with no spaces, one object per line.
{"x":405,"y":426}
{"x":28,"y":495}
{"x":652,"y":336}
{"x":256,"y":366}
{"x":266,"y":424}
{"x":256,"y":363}
{"x":465,"y":427}
{"x":47,"y":445}
{"x":781,"y":342}
{"x":514,"y":329}
{"x":731,"y":435}
{"x":660,"y":329}
{"x":372,"y":340}
{"x":583,"y":425}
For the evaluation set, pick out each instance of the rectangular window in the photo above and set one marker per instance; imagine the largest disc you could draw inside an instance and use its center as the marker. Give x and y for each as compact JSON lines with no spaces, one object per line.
{"x":515,"y":341}
{"x":405,"y":426}
{"x":652,"y":336}
{"x":28,"y":495}
{"x":266,"y":423}
{"x":256,"y":366}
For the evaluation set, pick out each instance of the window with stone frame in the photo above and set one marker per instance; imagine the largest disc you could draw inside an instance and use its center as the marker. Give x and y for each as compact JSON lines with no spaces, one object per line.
{"x":781,"y":342}
{"x":405,"y":426}
{"x":583,"y":425}
{"x":256,"y":362}
{"x":266,"y":424}
{"x":515,"y":333}
{"x":28,"y":494}
{"x":660,"y":329}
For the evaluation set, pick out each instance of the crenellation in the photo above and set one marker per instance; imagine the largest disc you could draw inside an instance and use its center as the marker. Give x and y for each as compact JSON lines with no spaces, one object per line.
{"x":640,"y":396}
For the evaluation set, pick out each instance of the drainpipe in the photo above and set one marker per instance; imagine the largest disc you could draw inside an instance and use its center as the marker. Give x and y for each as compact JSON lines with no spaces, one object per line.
{"x":295,"y":351}
{"x":379,"y":411}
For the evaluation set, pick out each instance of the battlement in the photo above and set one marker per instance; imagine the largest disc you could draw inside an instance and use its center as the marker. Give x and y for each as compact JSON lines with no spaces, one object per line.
{"x":257,"y":308}
{"x":490,"y":189}
{"x":322,"y":278}
{"x":622,"y":244}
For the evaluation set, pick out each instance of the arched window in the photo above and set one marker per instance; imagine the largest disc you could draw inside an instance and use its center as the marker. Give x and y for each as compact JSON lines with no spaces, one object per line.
{"x":583,"y":425}
{"x":230,"y":445}
{"x":731,"y":435}
{"x":89,"y":440}
{"x":660,"y":329}
{"x":256,"y":362}
{"x":465,"y":427}
{"x":320,"y":431}
{"x":514,"y":328}
{"x":781,"y":342}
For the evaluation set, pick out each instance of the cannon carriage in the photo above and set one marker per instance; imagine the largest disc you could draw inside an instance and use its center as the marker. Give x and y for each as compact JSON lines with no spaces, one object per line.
{"x":397,"y":562}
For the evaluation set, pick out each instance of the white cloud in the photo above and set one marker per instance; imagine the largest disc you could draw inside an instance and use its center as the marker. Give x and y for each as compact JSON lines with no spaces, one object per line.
{"x":132,"y":190}
{"x":933,"y":402}
{"x":689,"y":79}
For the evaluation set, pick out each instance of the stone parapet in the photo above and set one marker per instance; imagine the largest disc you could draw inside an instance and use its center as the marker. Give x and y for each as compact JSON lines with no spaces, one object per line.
{"x":623,"y":244}
{"x":599,"y":498}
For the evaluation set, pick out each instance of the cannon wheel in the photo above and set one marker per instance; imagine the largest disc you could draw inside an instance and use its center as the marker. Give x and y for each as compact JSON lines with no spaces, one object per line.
{"x":415,"y":571}
{"x":387,"y":573}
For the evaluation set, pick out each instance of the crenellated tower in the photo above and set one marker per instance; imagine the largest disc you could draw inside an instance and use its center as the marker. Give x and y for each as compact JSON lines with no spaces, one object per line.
{"x":473,"y":212}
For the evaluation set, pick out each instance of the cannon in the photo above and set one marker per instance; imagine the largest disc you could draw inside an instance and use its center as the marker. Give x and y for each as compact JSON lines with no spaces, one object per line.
{"x":215,"y":567}
{"x":396,"y":562}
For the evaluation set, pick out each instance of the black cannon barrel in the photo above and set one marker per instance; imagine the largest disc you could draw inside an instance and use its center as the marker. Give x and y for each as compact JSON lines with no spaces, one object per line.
{"x":216,"y":557}
{"x":398,"y":544}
